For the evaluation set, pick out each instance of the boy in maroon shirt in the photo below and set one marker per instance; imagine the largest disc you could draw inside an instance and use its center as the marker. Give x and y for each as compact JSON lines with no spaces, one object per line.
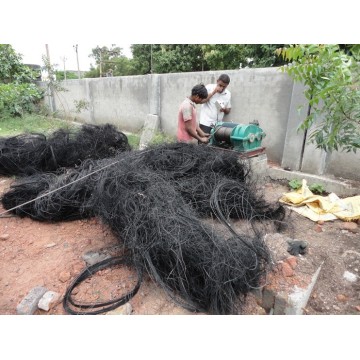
{"x":188,"y":128}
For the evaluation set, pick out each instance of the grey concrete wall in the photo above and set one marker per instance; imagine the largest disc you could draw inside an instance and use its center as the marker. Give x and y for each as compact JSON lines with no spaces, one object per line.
{"x":294,"y":138}
{"x":267,"y":95}
{"x":122,"y":101}
{"x":343,"y":165}
{"x":264,"y":95}
{"x":261,"y":94}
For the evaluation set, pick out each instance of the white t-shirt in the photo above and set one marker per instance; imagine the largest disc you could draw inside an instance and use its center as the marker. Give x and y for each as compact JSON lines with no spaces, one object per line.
{"x":210,"y":114}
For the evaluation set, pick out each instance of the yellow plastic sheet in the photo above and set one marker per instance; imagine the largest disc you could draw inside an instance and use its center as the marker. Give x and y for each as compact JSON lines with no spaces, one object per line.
{"x":325,"y":208}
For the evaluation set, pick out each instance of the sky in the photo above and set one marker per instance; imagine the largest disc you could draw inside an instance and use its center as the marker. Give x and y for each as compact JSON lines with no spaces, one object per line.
{"x":145,"y":22}
{"x":60,"y":52}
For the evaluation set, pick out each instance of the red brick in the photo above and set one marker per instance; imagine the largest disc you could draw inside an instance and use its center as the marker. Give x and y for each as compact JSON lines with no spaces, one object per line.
{"x":286,"y":270}
{"x":292,"y":261}
{"x":350,"y":226}
{"x":341,"y":298}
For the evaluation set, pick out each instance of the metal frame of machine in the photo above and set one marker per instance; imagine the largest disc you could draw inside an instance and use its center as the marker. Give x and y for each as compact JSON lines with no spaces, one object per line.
{"x":245,"y":139}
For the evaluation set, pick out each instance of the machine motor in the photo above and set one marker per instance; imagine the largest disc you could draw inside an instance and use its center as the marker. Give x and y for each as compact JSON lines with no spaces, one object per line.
{"x":238,"y":137}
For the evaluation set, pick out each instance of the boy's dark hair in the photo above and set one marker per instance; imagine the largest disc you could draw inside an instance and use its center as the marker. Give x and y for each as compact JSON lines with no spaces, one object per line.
{"x":199,"y":90}
{"x":224,"y":78}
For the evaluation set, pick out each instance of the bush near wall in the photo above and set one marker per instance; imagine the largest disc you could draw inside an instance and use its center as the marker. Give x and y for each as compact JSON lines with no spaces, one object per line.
{"x":17,"y":99}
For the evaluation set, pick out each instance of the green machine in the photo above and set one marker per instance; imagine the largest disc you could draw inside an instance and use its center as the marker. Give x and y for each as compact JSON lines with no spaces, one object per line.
{"x":238,"y":137}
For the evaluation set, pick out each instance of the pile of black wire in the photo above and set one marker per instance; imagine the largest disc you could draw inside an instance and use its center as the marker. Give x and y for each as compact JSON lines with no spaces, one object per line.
{"x":200,"y":270}
{"x":27,"y":154}
{"x":153,"y":200}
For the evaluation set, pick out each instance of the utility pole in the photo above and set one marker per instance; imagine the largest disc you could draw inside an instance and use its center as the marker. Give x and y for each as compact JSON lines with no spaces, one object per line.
{"x":64,"y":60}
{"x":50,"y":79}
{"x":77,"y":59}
{"x":47,"y":52}
{"x":100,"y":63}
{"x":151,"y":59}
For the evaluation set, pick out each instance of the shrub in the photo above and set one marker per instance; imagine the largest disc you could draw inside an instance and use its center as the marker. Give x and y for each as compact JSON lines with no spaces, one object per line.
{"x":16,"y":99}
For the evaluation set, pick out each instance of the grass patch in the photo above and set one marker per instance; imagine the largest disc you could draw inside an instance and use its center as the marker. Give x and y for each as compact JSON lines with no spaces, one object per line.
{"x":161,"y":138}
{"x":11,"y":126}
{"x":134,"y":140}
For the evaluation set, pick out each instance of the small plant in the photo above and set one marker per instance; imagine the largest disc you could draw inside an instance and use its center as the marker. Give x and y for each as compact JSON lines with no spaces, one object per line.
{"x":317,"y":188}
{"x":81,"y":105}
{"x":161,"y":138}
{"x":295,"y":184}
{"x":134,"y":140}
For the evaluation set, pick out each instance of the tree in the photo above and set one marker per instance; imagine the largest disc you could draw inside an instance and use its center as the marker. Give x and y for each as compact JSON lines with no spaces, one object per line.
{"x":60,"y":75}
{"x":12,"y":70}
{"x":331,"y":74}
{"x":142,"y":57}
{"x":179,"y":58}
{"x":110,"y":62}
{"x":235,"y":56}
{"x":18,"y":93}
{"x":202,"y":57}
{"x":105,"y":57}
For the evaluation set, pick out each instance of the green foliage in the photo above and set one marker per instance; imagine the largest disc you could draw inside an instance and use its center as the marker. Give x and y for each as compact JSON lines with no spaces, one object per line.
{"x":142,"y":57}
{"x":16,"y":99}
{"x":11,"y":126}
{"x":18,"y":94}
{"x":92,"y":73}
{"x":169,"y":58}
{"x":234,"y":56}
{"x":332,"y":77}
{"x":53,"y":85}
{"x":295,"y":184}
{"x":60,"y":75}
{"x":134,"y":140}
{"x":81,"y":105}
{"x":317,"y":188}
{"x":202,"y":57}
{"x":179,"y":58}
{"x":12,"y":70}
{"x":111,"y":62}
{"x":161,"y":138}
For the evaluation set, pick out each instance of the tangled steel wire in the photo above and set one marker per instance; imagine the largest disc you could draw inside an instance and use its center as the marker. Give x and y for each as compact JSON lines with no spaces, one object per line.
{"x":153,"y":200}
{"x":27,"y":154}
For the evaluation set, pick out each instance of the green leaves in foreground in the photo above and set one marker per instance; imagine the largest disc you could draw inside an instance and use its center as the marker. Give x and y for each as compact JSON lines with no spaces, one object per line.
{"x":332,"y":78}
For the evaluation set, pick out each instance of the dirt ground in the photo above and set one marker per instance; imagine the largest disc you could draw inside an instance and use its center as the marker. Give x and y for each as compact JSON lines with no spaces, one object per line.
{"x":51,"y":255}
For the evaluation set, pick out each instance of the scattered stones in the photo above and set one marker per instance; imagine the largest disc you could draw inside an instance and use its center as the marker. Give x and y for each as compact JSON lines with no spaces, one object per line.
{"x":64,"y":276}
{"x":287,"y":270}
{"x":50,"y":245}
{"x":125,"y":309}
{"x":297,"y":247}
{"x":350,"y":276}
{"x":350,"y":226}
{"x":75,"y":291}
{"x":341,"y":298}
{"x":28,"y":304}
{"x":49,"y":300}
{"x":93,"y":257}
{"x":292,"y":261}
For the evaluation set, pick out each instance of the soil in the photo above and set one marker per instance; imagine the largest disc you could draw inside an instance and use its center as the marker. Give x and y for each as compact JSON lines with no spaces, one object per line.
{"x":35,"y":253}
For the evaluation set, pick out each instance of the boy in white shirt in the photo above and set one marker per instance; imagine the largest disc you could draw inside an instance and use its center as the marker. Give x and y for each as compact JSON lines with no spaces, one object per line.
{"x":216,"y":105}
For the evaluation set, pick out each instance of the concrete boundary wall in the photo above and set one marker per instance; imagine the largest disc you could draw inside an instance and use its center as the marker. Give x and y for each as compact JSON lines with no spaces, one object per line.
{"x":267,"y":95}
